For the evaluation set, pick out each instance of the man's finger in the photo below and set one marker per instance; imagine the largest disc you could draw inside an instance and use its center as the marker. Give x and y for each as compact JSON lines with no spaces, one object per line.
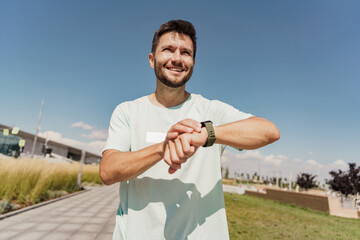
{"x":172,"y":170}
{"x":167,"y":159}
{"x":185,"y":143}
{"x":172,"y":135}
{"x":191,"y":123}
{"x":167,"y":155}
{"x":188,"y":149}
{"x":179,"y":149}
{"x":173,"y":154}
{"x":181,"y":128}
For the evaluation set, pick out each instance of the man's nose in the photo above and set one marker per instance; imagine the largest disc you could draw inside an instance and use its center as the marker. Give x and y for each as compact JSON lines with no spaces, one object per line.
{"x":176,"y":56}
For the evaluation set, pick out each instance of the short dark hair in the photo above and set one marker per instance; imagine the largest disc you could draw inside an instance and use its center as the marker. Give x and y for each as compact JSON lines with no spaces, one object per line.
{"x":179,"y":26}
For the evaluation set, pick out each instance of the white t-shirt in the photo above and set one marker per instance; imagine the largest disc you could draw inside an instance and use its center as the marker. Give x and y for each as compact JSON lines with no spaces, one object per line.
{"x":188,"y":204}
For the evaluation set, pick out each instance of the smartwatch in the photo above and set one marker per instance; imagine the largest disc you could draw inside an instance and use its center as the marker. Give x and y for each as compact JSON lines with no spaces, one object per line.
{"x":211,"y":133}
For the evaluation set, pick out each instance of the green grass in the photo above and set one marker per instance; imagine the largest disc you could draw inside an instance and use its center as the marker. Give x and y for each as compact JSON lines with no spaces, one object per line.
{"x":255,"y":218}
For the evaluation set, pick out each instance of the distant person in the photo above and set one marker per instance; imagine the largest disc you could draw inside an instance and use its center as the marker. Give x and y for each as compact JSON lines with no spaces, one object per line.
{"x":165,"y":149}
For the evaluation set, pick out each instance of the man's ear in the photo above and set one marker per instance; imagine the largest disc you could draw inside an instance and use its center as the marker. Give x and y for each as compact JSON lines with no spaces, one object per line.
{"x":151,"y":60}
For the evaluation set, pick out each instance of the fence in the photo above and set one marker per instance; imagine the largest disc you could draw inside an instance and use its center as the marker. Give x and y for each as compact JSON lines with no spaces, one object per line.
{"x":315,"y":202}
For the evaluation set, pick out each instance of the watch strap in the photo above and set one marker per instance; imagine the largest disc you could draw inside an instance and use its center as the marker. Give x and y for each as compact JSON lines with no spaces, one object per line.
{"x":211,"y":133}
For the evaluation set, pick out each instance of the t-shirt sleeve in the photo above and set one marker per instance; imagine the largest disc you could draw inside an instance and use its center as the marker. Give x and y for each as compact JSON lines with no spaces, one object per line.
{"x":224,"y":113}
{"x":119,"y":131}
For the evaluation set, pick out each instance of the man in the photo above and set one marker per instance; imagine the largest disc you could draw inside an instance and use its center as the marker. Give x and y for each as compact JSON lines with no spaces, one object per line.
{"x":165,"y":152}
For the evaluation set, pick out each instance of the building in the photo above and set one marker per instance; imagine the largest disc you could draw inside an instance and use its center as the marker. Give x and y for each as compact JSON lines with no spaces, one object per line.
{"x":9,"y":144}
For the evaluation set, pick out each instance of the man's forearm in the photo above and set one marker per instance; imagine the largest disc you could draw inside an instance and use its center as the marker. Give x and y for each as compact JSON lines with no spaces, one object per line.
{"x":119,"y":166}
{"x":251,"y":133}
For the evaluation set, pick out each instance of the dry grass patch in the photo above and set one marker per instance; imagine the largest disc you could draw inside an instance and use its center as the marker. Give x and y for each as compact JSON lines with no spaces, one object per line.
{"x":30,"y":181}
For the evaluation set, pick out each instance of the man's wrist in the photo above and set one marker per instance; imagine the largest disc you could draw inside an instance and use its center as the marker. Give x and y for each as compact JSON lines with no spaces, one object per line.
{"x":204,"y":135}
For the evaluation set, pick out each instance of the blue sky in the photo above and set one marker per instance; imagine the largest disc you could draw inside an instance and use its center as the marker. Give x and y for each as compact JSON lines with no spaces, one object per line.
{"x":296,"y":63}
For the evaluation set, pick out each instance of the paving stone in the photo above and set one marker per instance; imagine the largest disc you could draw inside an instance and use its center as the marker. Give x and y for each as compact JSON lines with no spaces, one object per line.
{"x":7,"y":234}
{"x":21,"y":226}
{"x":78,"y":220}
{"x":61,"y":219}
{"x":5,"y":225}
{"x":91,"y":227}
{"x":46,"y":226}
{"x":31,"y":235}
{"x":109,"y":229}
{"x":87,"y":214}
{"x":57,"y":236}
{"x":97,"y":220}
{"x":105,"y":236}
{"x":34,"y":219}
{"x":70,"y":227}
{"x":83,"y":236}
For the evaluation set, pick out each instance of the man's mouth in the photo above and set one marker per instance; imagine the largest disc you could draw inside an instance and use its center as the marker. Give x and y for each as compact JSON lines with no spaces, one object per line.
{"x":175,"y":69}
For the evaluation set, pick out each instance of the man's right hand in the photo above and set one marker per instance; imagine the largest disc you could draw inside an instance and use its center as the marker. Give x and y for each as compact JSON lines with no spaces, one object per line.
{"x":184,"y":145}
{"x":178,"y":150}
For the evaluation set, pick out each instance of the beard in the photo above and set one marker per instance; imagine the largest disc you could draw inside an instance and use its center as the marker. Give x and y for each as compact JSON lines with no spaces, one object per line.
{"x":161,"y":76}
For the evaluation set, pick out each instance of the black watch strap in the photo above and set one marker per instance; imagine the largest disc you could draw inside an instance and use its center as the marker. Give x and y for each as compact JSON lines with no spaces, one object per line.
{"x":211,"y":133}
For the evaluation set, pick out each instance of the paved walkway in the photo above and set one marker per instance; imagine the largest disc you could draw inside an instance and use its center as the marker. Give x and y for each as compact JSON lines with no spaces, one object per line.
{"x":88,"y":215}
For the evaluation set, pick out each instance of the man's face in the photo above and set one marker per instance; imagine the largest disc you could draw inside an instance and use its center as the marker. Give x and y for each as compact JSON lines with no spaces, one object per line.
{"x":173,"y":59}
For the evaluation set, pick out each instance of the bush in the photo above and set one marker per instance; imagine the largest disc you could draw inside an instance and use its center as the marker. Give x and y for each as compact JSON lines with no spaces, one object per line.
{"x":347,"y":183}
{"x":7,"y":206}
{"x":306,"y":181}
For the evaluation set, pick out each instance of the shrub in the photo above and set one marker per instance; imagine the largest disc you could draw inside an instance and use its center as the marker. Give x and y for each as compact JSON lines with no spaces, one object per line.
{"x":306,"y":181}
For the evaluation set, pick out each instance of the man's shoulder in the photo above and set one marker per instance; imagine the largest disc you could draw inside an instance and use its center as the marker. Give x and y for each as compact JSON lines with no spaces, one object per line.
{"x":131,"y":103}
{"x":199,"y":98}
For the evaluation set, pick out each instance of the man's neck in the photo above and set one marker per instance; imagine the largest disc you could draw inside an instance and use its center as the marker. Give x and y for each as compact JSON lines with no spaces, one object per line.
{"x":167,"y":97}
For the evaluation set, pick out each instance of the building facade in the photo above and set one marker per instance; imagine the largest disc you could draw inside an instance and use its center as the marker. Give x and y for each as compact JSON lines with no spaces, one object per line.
{"x":10,"y":143}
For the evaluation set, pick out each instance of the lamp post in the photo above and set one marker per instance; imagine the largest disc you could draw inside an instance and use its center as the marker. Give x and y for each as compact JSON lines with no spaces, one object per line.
{"x":37,"y":130}
{"x":82,"y":161}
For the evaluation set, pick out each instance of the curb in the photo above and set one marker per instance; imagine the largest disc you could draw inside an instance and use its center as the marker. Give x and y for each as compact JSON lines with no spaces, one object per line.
{"x":10,"y":214}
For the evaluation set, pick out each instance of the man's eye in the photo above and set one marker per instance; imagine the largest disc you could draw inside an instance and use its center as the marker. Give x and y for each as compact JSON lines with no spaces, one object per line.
{"x":186,"y":53}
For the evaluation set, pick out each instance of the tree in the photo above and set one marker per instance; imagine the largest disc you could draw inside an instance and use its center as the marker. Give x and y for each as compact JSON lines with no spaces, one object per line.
{"x":255,"y":176}
{"x":306,"y":180}
{"x":227,"y":173}
{"x":346,"y":182}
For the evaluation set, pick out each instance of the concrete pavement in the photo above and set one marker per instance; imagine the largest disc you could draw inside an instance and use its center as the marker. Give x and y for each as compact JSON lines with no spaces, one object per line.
{"x":88,"y":215}
{"x":234,"y":189}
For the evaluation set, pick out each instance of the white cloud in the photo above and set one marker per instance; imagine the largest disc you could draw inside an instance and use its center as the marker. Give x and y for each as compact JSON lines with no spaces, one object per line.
{"x":297,"y":160}
{"x":250,"y":155}
{"x":314,"y":163}
{"x":277,"y":165}
{"x":97,"y":134}
{"x":338,"y":164}
{"x":93,"y":147}
{"x":275,"y":160}
{"x":82,"y":126}
{"x":51,"y":135}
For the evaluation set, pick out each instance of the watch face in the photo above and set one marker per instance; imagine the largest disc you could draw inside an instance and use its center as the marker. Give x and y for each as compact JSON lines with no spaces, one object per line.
{"x":203,"y":123}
